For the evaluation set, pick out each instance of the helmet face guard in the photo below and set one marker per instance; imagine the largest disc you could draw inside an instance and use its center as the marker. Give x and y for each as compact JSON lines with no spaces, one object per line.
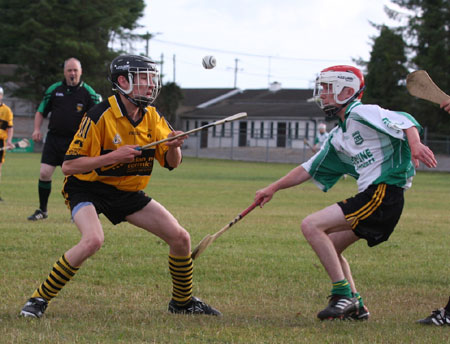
{"x":331,"y":81}
{"x":141,"y":73}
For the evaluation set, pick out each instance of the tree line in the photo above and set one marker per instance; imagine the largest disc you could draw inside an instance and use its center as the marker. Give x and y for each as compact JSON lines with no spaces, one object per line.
{"x":420,"y":41}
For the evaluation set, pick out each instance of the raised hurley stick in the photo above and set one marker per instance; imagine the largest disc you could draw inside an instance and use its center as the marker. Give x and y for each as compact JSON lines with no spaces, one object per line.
{"x":222,"y":121}
{"x":420,"y":85}
{"x":208,"y":240}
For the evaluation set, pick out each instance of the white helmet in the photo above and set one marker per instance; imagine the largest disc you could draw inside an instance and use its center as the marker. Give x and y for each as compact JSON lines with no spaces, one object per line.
{"x":1,"y":90}
{"x":339,"y":77}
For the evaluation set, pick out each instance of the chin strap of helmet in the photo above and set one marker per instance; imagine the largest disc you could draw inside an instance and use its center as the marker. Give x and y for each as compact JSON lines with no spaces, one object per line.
{"x":131,"y":100}
{"x":333,"y":110}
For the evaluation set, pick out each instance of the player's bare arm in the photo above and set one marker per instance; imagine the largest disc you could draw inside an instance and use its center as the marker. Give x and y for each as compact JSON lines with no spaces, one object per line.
{"x":10,"y":133}
{"x":123,"y":154}
{"x":174,"y":155}
{"x":37,"y":134}
{"x":295,"y":177}
{"x":419,"y":152}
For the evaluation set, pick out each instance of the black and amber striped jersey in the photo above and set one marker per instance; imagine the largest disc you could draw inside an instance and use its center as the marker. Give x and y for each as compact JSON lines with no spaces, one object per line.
{"x":6,"y":121}
{"x":105,"y":128}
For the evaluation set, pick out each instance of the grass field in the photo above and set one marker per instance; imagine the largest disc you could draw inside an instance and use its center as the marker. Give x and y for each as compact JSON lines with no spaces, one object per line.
{"x":261,"y":274}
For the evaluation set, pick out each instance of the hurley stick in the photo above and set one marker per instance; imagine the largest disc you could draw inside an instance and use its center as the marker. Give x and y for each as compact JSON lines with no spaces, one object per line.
{"x":222,"y":121}
{"x":420,"y":85}
{"x":24,"y":143}
{"x":208,"y":240}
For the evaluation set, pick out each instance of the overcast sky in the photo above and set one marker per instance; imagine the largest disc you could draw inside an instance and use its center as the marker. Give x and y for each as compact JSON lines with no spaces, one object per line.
{"x":287,"y":41}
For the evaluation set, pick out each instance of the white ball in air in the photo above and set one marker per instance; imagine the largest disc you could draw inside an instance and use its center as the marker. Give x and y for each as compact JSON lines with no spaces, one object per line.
{"x":209,"y":62}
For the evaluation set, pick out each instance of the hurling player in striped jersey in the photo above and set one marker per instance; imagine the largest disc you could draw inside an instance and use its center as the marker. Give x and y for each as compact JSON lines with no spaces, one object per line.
{"x":106,"y":173}
{"x":380,"y":149}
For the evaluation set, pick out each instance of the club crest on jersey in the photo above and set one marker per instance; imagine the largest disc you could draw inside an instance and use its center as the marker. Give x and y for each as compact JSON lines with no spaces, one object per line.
{"x":117,"y":139}
{"x":79,"y":107}
{"x":357,"y":138}
{"x":396,"y":126}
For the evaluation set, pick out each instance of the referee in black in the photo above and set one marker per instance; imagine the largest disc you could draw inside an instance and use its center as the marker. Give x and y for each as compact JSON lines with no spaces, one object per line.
{"x":64,"y":103}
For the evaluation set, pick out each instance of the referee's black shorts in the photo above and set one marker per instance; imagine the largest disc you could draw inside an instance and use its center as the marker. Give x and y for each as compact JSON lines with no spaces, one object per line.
{"x":115,"y":204}
{"x":55,"y":148}
{"x":374,"y":213}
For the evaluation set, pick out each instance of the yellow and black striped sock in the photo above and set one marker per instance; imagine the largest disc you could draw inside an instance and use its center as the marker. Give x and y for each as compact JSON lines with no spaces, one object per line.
{"x":181,"y":269}
{"x":61,"y":273}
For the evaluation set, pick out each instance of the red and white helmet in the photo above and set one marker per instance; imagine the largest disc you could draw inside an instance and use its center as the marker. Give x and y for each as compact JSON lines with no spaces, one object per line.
{"x":339,"y":77}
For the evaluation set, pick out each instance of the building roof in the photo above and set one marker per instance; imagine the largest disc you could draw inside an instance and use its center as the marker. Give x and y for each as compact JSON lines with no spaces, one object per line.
{"x":258,"y":103}
{"x":197,"y":96}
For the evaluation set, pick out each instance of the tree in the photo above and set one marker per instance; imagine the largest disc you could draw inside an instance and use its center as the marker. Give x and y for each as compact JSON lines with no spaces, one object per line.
{"x":386,"y":71}
{"x":168,"y":101}
{"x":427,"y":33}
{"x":38,"y":35}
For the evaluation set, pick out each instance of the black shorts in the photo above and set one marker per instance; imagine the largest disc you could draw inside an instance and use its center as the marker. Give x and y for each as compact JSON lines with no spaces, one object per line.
{"x":55,"y":148}
{"x":115,"y":204}
{"x":374,"y":213}
{"x":2,"y":152}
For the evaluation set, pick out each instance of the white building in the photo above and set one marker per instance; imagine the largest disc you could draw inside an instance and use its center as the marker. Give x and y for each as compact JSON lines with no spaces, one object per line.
{"x":275,"y":117}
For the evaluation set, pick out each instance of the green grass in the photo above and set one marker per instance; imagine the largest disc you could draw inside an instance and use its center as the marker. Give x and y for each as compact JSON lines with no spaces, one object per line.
{"x":261,"y":274}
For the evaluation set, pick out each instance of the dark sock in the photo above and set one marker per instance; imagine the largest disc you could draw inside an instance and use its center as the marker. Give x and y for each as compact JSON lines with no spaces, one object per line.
{"x":44,"y":189}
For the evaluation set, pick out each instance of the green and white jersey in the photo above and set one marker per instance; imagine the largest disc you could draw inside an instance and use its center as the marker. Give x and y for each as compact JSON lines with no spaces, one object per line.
{"x":321,"y":138}
{"x":369,"y":145}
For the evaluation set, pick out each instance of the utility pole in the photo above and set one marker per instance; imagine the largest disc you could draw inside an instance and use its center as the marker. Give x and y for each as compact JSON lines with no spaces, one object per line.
{"x":162,"y":64}
{"x":174,"y":67}
{"x":147,"y":37}
{"x":235,"y":71}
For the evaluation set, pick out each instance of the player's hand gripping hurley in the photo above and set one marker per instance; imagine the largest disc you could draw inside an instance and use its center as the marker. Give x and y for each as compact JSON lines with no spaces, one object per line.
{"x":221,"y":121}
{"x":208,"y":240}
{"x":420,"y":85}
{"x":24,"y":143}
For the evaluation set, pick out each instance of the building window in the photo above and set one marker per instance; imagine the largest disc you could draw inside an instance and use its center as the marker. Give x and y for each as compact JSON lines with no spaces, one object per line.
{"x":196,"y":126}
{"x":271,"y":130}
{"x":214,"y":131}
{"x":252,"y":129}
{"x":289,"y":130}
{"x":307,"y":130}
{"x":296,"y":130}
{"x":261,"y":134}
{"x":187,"y":125}
{"x":222,"y":132}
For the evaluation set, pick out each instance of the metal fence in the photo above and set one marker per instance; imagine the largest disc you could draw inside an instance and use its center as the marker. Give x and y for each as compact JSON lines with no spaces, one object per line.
{"x":235,"y":144}
{"x":265,"y":148}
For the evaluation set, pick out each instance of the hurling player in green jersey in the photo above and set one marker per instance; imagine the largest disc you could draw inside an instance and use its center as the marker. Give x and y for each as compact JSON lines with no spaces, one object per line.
{"x":380,"y":149}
